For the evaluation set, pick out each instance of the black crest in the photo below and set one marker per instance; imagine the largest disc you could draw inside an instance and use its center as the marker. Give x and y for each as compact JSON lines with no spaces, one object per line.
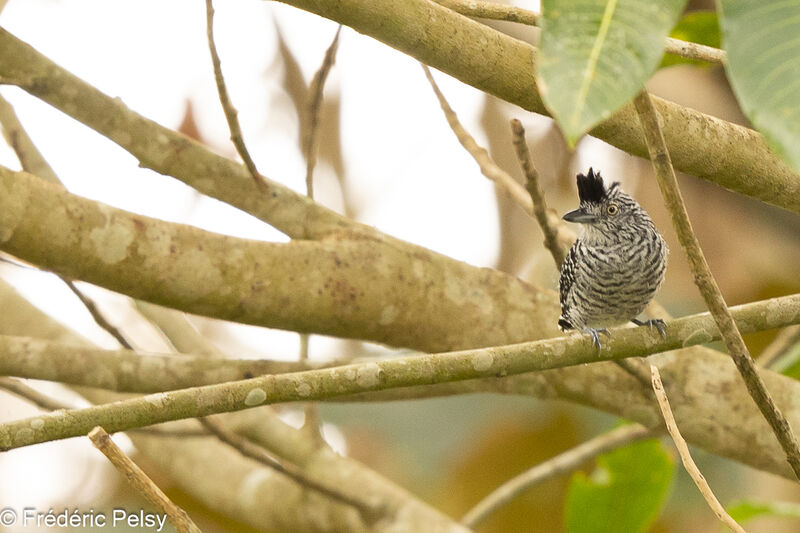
{"x":590,"y":187}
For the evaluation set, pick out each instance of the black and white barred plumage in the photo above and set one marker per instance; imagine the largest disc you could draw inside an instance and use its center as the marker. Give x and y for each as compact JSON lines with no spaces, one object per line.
{"x":613,"y":270}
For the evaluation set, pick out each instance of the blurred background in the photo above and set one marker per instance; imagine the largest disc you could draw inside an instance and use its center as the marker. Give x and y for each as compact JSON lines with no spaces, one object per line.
{"x":387,"y":158}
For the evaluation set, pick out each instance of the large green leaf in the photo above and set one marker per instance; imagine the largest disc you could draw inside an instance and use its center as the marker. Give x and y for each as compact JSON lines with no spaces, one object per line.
{"x":762,"y":39}
{"x":597,"y":54}
{"x":624,"y":493}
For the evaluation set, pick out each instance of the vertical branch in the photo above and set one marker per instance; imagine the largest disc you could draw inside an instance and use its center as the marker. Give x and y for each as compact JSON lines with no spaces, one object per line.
{"x":227,"y":106}
{"x":547,"y":221}
{"x":139,"y":480}
{"x":315,"y":89}
{"x":704,"y":280}
{"x":686,"y":457}
{"x":312,"y":423}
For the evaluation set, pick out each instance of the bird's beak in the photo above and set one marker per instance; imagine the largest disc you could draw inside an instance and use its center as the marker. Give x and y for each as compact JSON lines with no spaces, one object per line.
{"x":580,"y":216}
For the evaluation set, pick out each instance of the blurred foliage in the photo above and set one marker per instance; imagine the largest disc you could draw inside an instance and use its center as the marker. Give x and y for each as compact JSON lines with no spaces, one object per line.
{"x":701,"y":27}
{"x":742,"y":511}
{"x":624,"y":493}
{"x":502,"y":452}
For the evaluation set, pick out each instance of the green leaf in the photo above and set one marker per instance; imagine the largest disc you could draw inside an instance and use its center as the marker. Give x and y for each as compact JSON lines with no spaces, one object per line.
{"x":701,"y":27}
{"x":742,"y":511}
{"x":624,"y":493}
{"x":597,"y":54}
{"x":763,"y":47}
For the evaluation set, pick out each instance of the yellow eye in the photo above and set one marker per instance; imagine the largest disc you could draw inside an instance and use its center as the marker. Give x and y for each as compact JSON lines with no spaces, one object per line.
{"x":612,"y":209}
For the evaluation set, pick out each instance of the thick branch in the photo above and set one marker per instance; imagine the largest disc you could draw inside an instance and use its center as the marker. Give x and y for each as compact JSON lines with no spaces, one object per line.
{"x":357,"y":288}
{"x":732,"y":156}
{"x":374,"y":376}
{"x":125,"y":370}
{"x":166,"y":151}
{"x":128,"y":371}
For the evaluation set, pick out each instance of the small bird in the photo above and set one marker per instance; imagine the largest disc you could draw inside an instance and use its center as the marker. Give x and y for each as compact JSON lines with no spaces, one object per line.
{"x":613,"y":270}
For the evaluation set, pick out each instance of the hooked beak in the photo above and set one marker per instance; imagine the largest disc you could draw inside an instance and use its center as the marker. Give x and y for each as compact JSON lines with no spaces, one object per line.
{"x":580,"y":216}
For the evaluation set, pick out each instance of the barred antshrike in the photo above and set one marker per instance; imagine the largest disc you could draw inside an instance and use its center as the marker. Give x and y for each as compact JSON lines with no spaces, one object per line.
{"x":613,"y":270}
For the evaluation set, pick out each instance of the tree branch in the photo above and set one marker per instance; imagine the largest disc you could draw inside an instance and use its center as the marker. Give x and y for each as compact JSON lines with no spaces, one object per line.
{"x":387,"y":374}
{"x":168,"y":152}
{"x":352,"y":288}
{"x":548,"y":221}
{"x":227,"y":106}
{"x":143,"y":484}
{"x":686,"y":457}
{"x":488,"y":167}
{"x":732,"y":156}
{"x":495,"y":11}
{"x":369,"y":511}
{"x":125,"y":370}
{"x":704,"y":280}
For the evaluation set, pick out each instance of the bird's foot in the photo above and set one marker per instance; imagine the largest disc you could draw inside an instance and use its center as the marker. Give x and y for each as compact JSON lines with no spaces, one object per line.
{"x":657,"y":323}
{"x":595,"y":333}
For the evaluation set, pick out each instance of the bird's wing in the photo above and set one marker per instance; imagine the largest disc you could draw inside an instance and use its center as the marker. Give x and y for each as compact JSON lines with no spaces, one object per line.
{"x":568,"y":273}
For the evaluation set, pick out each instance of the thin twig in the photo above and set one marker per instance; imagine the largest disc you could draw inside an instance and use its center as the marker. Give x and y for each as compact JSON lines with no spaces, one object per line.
{"x":139,"y":480}
{"x":248,"y":449}
{"x":559,"y":464}
{"x":18,"y":139}
{"x":312,"y":423}
{"x":18,"y":388}
{"x":691,"y":50}
{"x":494,"y":11}
{"x":488,"y":167}
{"x":316,"y":89}
{"x":491,"y":11}
{"x":704,"y":280}
{"x":547,"y":219}
{"x":97,"y":315}
{"x":231,"y":114}
{"x":686,"y":457}
{"x":784,"y":340}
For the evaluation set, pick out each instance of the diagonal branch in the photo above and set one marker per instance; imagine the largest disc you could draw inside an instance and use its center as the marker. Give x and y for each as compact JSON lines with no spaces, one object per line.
{"x":488,"y":167}
{"x":686,"y":457}
{"x":548,"y":221}
{"x":143,"y":484}
{"x":369,"y":510}
{"x":227,"y":105}
{"x":315,"y":89}
{"x":732,"y":156}
{"x":704,"y":280}
{"x":386,"y":374}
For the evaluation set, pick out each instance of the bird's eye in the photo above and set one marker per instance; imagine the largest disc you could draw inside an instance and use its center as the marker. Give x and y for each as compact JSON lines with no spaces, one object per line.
{"x":612,"y":209}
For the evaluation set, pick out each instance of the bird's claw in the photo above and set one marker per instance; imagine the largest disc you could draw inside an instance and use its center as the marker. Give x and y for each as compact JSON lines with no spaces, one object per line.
{"x":595,"y":333}
{"x":657,"y":323}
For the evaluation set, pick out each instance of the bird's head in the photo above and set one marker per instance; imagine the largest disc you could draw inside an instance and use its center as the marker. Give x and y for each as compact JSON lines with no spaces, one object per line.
{"x":606,"y":213}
